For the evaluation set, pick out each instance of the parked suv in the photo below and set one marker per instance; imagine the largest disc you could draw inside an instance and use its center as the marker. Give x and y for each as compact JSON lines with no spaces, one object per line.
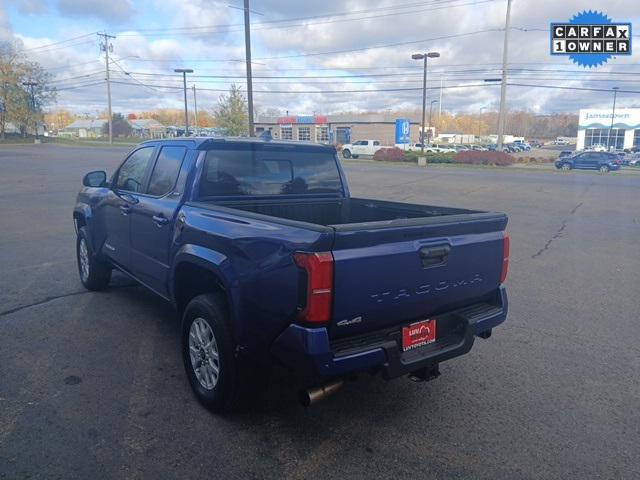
{"x":602,"y":161}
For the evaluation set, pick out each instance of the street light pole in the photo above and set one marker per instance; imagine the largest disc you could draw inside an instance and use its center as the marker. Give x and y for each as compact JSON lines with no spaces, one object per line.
{"x":32,"y":107}
{"x":503,"y":86}
{"x":613,"y":114}
{"x":424,"y":56}
{"x":480,"y":119}
{"x":184,"y":72}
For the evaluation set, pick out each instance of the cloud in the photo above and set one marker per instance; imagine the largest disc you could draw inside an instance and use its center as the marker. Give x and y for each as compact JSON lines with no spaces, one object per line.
{"x":6,"y":33}
{"x":30,"y":7}
{"x":466,"y":59}
{"x":109,"y":11}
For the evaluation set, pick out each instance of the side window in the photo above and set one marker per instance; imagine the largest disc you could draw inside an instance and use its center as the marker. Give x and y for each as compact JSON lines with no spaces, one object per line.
{"x":132,"y":171}
{"x":166,"y":170}
{"x":365,"y":142}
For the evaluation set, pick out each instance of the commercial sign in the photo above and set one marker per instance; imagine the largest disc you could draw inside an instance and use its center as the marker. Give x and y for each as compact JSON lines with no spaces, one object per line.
{"x":626,"y":118}
{"x":590,"y":38}
{"x":403,"y":131}
{"x":303,"y":119}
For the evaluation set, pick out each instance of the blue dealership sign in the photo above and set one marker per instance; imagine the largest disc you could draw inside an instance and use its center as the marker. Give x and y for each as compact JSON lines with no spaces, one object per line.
{"x":403,"y":132}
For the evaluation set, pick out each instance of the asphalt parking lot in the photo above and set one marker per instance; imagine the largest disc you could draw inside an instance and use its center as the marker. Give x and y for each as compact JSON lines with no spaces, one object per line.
{"x":92,"y":384}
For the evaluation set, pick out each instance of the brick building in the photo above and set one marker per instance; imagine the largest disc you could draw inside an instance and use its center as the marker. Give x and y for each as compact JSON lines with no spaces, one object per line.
{"x":335,"y":129}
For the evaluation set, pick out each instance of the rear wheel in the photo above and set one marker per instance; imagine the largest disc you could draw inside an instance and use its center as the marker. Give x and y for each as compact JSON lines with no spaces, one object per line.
{"x":94,"y":274}
{"x":221,"y":381}
{"x":604,"y":168}
{"x":346,"y":153}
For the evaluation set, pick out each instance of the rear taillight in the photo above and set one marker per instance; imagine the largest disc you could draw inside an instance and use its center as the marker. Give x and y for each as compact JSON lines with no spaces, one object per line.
{"x":319,"y":269}
{"x":505,"y":256}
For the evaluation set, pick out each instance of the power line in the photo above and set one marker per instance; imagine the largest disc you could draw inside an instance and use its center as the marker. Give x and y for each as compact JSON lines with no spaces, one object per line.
{"x":259,"y":26}
{"x":386,"y":45}
{"x":58,"y":42}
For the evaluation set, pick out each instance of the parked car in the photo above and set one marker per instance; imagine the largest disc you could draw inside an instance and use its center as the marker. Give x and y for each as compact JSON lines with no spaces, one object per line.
{"x":268,"y":259}
{"x":361,"y":147}
{"x":524,"y":146}
{"x":596,"y":147}
{"x":435,"y":148}
{"x":602,"y":161}
{"x":634,"y":160}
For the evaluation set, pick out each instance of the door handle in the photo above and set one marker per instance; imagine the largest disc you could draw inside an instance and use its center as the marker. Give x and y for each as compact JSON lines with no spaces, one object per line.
{"x":160,"y":220}
{"x":436,"y":255}
{"x":125,"y":209}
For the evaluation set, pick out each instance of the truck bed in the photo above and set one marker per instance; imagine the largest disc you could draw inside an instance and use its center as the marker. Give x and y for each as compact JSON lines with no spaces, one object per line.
{"x":344,"y":212}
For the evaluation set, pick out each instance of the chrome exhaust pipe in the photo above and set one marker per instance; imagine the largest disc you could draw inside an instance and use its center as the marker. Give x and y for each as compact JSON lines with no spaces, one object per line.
{"x":314,"y":395}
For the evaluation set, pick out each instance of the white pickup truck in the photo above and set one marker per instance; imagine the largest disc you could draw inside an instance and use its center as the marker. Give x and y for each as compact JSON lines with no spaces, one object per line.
{"x":361,"y":147}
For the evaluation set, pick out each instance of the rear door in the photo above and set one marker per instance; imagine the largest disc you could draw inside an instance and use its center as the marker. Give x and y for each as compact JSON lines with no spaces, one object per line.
{"x":581,"y":160}
{"x":127,"y":184}
{"x":387,"y":276}
{"x":360,"y":147}
{"x":152,"y":219}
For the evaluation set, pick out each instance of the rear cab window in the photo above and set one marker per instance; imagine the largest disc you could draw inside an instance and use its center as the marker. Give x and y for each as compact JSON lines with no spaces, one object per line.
{"x":256,"y":170}
{"x":166,"y":170}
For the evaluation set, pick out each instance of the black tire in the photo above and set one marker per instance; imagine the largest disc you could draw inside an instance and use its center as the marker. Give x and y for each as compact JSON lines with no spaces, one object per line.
{"x":98,"y":273}
{"x":346,"y":153}
{"x":238,"y":381}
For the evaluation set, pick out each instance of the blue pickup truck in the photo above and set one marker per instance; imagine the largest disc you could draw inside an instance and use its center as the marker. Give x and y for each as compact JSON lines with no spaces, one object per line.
{"x":268,"y":259}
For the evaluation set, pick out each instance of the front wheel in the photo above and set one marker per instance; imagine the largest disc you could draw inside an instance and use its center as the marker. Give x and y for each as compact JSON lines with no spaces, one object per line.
{"x":346,"y":153}
{"x":221,"y":381}
{"x":566,"y":167}
{"x":604,"y":169}
{"x":94,"y":274}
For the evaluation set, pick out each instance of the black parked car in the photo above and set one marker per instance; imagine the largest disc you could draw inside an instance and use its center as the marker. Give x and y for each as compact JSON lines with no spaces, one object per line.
{"x":602,"y":161}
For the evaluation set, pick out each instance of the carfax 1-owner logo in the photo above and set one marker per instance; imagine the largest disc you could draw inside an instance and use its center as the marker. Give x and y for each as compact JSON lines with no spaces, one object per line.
{"x":590,"y":38}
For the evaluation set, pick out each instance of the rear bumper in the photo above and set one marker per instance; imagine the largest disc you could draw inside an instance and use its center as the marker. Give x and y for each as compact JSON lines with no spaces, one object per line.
{"x":310,"y":349}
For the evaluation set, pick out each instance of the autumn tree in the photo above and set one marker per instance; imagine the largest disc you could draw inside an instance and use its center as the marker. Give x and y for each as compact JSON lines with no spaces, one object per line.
{"x":19,"y":103}
{"x":231,"y":112}
{"x":59,"y":119}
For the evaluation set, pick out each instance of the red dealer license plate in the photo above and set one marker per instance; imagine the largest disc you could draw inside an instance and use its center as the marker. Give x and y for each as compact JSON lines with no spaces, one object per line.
{"x":418,"y":334}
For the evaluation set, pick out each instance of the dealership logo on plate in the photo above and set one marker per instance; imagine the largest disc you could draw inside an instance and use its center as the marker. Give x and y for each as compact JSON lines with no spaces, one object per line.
{"x":590,"y":38}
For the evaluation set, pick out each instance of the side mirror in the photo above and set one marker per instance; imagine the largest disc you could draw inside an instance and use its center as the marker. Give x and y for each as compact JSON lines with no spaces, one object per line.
{"x":95,"y":179}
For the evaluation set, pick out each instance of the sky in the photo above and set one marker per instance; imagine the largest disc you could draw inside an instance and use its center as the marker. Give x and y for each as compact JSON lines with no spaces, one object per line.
{"x":318,"y":57}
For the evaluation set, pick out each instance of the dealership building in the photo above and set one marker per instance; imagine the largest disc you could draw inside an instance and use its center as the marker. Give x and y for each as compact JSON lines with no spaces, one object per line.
{"x":594,"y":128}
{"x":335,"y":129}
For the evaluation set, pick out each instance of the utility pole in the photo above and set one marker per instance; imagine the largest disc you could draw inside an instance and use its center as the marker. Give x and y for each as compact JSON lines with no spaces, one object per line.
{"x":503,"y":86}
{"x":106,"y":46}
{"x":430,"y":112}
{"x":195,"y":108}
{"x":184,"y":72}
{"x":247,"y":47}
{"x":32,"y":106}
{"x":440,"y":100}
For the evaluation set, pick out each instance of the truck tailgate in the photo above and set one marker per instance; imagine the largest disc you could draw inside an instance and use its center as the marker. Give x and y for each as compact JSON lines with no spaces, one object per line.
{"x":388,"y":273}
